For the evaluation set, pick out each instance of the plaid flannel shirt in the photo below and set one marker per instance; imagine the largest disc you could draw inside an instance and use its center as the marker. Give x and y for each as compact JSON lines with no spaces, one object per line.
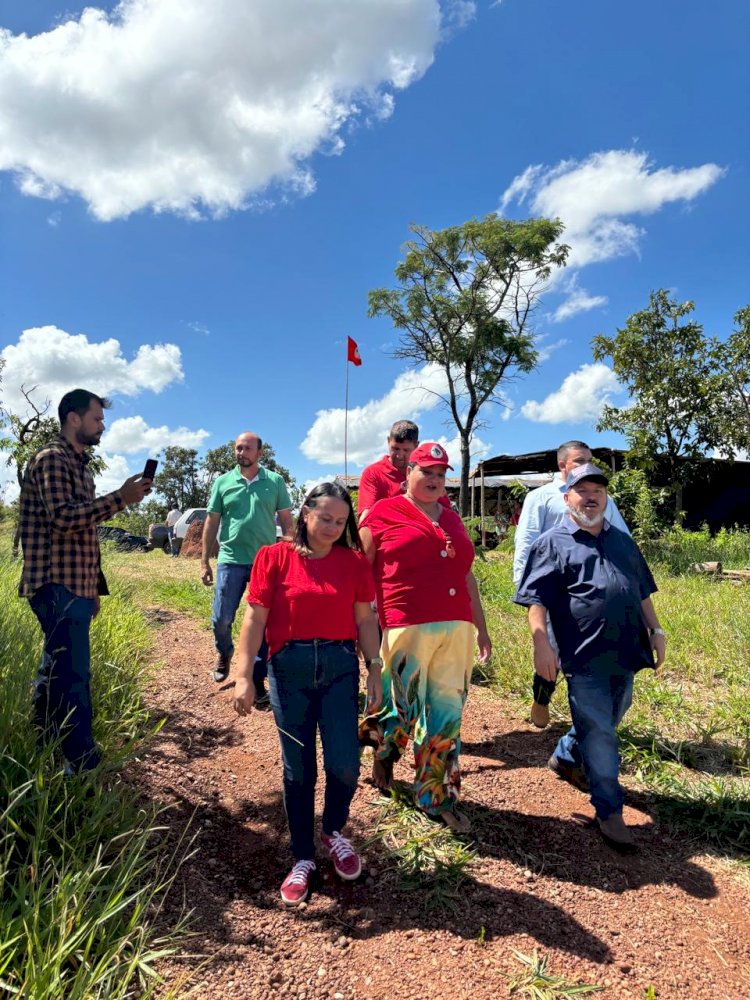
{"x":59,"y":512}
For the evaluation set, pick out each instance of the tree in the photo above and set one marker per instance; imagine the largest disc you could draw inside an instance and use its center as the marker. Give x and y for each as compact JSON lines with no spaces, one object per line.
{"x":464,"y":302}
{"x":179,"y":480}
{"x":733,"y":362}
{"x":668,"y":367}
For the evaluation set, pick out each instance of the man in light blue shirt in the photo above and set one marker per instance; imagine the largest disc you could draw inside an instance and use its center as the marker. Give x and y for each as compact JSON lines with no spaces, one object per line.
{"x":543,"y":508}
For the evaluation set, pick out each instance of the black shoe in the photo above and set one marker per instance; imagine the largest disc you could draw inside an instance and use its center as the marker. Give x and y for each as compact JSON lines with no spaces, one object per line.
{"x":221,"y":667}
{"x":574,"y":775}
{"x":262,"y":698}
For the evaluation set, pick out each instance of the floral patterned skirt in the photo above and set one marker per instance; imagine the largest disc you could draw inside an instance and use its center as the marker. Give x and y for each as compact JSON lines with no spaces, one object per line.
{"x":426,"y":676}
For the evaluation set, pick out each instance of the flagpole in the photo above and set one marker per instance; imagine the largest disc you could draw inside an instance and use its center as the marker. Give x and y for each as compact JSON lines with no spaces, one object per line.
{"x":346,"y":425}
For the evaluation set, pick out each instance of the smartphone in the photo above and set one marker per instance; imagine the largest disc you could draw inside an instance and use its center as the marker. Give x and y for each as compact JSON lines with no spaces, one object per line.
{"x":149,"y":470}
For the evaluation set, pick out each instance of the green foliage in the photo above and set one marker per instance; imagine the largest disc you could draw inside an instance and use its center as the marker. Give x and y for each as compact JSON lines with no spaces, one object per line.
{"x":137,"y":518}
{"x":179,"y":480}
{"x":732,"y":359}
{"x":677,"y":550}
{"x":463,"y":301}
{"x":537,"y":982}
{"x":642,"y":507}
{"x":84,"y":867}
{"x":668,"y":368}
{"x":420,"y":854}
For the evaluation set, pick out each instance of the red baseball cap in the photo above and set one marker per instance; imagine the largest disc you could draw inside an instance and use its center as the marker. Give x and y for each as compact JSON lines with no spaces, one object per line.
{"x":429,"y":453}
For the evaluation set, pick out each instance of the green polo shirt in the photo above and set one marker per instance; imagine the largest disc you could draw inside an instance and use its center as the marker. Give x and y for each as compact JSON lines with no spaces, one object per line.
{"x":248,"y":513}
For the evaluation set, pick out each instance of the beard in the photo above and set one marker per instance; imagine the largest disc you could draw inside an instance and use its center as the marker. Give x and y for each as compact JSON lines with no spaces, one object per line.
{"x":88,"y":440}
{"x":587,"y":520}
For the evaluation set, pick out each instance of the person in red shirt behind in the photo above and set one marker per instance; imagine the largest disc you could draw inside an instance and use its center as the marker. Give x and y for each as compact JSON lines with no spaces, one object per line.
{"x":429,"y":607}
{"x":312,"y":598}
{"x":387,"y":477}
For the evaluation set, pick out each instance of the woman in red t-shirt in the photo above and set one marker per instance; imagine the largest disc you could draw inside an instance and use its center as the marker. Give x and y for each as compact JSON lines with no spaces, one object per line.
{"x":429,"y":608}
{"x":312,"y":597}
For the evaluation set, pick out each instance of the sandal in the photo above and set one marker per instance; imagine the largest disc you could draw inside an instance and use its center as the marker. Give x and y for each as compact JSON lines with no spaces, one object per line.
{"x":456,"y":821}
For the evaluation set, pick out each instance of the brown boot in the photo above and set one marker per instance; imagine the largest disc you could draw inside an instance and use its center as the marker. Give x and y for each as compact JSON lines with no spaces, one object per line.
{"x":575,"y":776}
{"x":616,"y":833}
{"x":540,"y":715}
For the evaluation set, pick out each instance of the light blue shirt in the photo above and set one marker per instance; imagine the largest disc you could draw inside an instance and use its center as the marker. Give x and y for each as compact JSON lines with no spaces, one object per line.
{"x":543,"y":508}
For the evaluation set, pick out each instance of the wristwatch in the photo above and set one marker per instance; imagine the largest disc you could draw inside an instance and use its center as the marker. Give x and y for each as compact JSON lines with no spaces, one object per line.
{"x":376,"y":661}
{"x":656,"y":631}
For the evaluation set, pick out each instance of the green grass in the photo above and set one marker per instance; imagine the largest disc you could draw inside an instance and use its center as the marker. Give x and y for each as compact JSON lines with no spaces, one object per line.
{"x":420,"y":854}
{"x":83,"y":866}
{"x":536,"y":981}
{"x":153,"y":579}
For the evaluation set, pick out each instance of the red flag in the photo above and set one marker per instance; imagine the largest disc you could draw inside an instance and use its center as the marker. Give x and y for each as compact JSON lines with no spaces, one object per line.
{"x":352,"y":352}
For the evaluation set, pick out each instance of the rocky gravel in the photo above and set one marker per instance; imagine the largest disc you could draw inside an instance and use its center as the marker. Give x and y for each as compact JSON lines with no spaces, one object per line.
{"x":668,"y":917}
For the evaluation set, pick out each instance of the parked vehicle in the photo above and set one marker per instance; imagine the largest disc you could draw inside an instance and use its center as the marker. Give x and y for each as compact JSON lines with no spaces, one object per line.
{"x":159,"y":538}
{"x":123,"y":540}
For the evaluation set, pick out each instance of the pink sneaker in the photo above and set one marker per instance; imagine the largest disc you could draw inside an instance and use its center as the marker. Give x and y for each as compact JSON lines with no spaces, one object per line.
{"x":344,"y":857}
{"x":296,"y":886}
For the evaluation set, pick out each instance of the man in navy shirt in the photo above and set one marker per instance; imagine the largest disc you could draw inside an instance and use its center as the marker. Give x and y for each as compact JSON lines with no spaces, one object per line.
{"x":593,"y":581}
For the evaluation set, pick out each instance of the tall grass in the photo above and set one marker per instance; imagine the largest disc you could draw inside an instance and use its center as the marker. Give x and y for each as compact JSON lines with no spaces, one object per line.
{"x":83,"y":870}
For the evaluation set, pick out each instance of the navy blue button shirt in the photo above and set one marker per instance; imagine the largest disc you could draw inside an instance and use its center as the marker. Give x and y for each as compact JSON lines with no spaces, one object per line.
{"x":592,"y":586}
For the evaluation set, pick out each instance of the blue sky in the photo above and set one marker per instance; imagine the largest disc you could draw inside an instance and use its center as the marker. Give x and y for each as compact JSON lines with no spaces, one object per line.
{"x":196,"y":198}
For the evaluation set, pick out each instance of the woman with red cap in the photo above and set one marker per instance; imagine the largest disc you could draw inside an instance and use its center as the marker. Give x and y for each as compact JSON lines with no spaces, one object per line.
{"x":430,"y":612}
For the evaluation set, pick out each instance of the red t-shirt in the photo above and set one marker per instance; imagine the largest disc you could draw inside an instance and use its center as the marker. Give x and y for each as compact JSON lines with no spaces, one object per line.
{"x":417,"y":581}
{"x":309,"y":598}
{"x":380,"y":480}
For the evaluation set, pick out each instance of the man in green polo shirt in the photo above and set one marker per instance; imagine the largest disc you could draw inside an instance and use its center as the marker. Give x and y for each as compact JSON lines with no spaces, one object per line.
{"x":245,"y":503}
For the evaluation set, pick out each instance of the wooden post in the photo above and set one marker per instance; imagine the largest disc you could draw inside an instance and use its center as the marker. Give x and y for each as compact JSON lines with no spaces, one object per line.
{"x":481,"y":501}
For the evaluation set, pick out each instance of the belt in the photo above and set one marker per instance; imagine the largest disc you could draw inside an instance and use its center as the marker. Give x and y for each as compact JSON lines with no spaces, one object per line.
{"x":349,"y":643}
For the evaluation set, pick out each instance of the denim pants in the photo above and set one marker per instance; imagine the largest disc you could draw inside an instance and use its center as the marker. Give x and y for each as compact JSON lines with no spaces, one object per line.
{"x":231,"y":584}
{"x":598,"y":703}
{"x":313,"y":686}
{"x":62,"y":695}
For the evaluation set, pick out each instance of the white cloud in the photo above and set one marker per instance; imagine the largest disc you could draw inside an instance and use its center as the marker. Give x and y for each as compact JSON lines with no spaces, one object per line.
{"x":413,"y":394}
{"x":578,"y":301}
{"x":190,"y":107}
{"x":594,"y":196}
{"x":133,"y":434}
{"x":579,"y":399}
{"x":546,"y":350}
{"x":57,"y":361}
{"x":114,"y":475}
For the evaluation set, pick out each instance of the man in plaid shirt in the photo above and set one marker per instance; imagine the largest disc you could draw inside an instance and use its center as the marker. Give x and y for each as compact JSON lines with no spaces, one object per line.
{"x":62,"y":575}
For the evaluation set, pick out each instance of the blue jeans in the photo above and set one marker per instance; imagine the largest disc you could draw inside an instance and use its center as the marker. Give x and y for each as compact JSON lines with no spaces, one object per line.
{"x":62,"y":694}
{"x":315,"y":686}
{"x":231,"y":584}
{"x":598,"y":703}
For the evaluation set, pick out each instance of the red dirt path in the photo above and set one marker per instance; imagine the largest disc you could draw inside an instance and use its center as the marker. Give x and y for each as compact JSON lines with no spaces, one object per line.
{"x":542,"y":878}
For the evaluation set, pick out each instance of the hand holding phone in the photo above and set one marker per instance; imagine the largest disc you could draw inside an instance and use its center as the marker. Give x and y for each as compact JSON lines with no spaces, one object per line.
{"x":149,"y":470}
